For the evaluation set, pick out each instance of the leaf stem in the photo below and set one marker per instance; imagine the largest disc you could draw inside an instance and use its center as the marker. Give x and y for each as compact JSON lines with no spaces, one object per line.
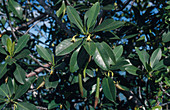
{"x":80,"y":83}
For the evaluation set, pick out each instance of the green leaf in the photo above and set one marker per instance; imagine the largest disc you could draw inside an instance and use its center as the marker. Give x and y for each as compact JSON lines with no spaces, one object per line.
{"x":12,"y":48}
{"x":61,"y":10}
{"x":166,"y":37}
{"x":4,"y":41}
{"x":115,"y":36}
{"x":3,"y":69}
{"x":15,"y":8}
{"x":66,"y":46}
{"x":118,"y":51}
{"x":78,"y":59}
{"x":91,"y":15}
{"x":90,"y":47}
{"x":108,"y":25}
{"x":157,"y":108}
{"x":9,"y":45}
{"x":22,"y":54}
{"x":44,"y":53}
{"x":2,"y":51}
{"x":132,"y":70}
{"x":2,"y":99}
{"x":22,"y":89}
{"x":104,"y":56}
{"x":50,"y":84}
{"x":75,"y":18}
{"x":143,"y":56}
{"x":130,"y":36}
{"x":10,"y":86}
{"x":2,"y":106}
{"x":73,"y":61}
{"x":53,"y":104}
{"x":155,"y":57}
{"x":26,"y":106}
{"x":108,"y":7}
{"x":3,"y":90}
{"x":19,"y":74}
{"x":22,"y":42}
{"x":109,"y":89}
{"x":120,"y":64}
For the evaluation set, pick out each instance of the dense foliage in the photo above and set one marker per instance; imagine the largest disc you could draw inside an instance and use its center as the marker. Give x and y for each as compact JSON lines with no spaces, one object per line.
{"x":84,"y":54}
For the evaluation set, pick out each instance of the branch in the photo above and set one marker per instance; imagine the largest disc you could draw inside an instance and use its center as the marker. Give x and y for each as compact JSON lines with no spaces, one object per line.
{"x":164,"y":91}
{"x":38,"y":70}
{"x":50,"y":12}
{"x":131,"y":97}
{"x":167,"y":103}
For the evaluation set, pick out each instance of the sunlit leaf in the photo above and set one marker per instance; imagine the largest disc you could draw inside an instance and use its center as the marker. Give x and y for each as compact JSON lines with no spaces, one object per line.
{"x":15,"y":8}
{"x":66,"y":47}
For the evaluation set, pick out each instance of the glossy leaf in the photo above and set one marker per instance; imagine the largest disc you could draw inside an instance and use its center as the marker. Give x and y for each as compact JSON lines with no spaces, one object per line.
{"x":166,"y":37}
{"x":75,"y":18}
{"x":44,"y":53}
{"x":26,"y":106}
{"x":3,"y":69}
{"x":132,"y":70}
{"x":104,"y":56}
{"x":155,"y":57}
{"x":118,"y":51}
{"x":22,"y":42}
{"x":19,"y":74}
{"x":15,"y":8}
{"x":109,"y":89}
{"x":108,"y":25}
{"x":91,"y":15}
{"x":90,"y":47}
{"x":66,"y":47}
{"x":143,"y":56}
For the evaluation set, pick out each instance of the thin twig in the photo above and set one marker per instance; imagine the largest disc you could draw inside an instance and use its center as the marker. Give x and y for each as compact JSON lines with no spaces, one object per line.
{"x":164,"y":91}
{"x":12,"y":30}
{"x":32,"y":26}
{"x":50,"y":12}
